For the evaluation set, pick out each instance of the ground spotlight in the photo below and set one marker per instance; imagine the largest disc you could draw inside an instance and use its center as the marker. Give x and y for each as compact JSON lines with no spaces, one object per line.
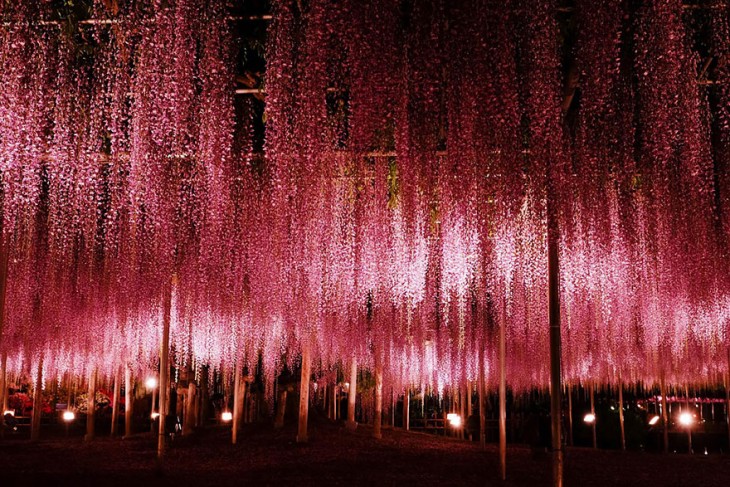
{"x":686,"y":419}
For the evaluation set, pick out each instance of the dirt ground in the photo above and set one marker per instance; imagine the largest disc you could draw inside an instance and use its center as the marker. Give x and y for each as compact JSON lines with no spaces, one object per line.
{"x":333,"y":456}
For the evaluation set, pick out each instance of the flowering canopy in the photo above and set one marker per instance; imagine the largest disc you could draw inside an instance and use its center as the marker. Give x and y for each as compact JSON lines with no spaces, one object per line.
{"x":400,"y":204}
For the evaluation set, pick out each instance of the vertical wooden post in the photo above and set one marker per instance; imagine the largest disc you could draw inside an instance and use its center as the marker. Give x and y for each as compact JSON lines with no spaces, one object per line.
{"x":128,"y":401}
{"x":665,"y":416}
{"x":304,"y":391}
{"x":570,"y":416}
{"x":164,"y":385}
{"x":280,"y":409}
{"x":3,"y":385}
{"x":593,"y":412}
{"x":553,"y":242}
{"x":727,"y":399}
{"x":469,"y":396}
{"x":4,"y":256}
{"x":35,"y":426}
{"x":621,"y":413}
{"x":352,"y":396}
{"x":482,"y":401}
{"x":91,"y":407}
{"x":377,"y":422}
{"x":462,"y":412}
{"x":237,"y":403}
{"x":407,"y":409}
{"x":190,"y":409}
{"x":155,"y":394}
{"x":115,"y":403}
{"x":689,"y":428}
{"x":502,"y":398}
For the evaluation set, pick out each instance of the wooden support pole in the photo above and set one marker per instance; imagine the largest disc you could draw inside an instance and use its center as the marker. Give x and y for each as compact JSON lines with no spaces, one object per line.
{"x":91,"y":407}
{"x":378,"y":420}
{"x":164,"y":385}
{"x":352,"y":396}
{"x":593,"y":412}
{"x":689,"y":429}
{"x":727,"y":399}
{"x":237,"y":403}
{"x":3,"y":386}
{"x":189,"y":420}
{"x":502,"y":400}
{"x":407,"y":409}
{"x":553,"y":242}
{"x":665,"y":415}
{"x":570,"y":416}
{"x":462,"y":412}
{"x":35,"y":426}
{"x":727,"y":406}
{"x":4,"y":255}
{"x":280,"y":409}
{"x":304,"y":391}
{"x":621,"y":413}
{"x":128,"y":401}
{"x":115,"y":403}
{"x":482,"y":402}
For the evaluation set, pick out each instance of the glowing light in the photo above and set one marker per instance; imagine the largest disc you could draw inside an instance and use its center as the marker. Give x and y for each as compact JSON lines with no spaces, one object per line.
{"x":68,"y":416}
{"x":686,"y":419}
{"x":227,"y":416}
{"x":589,"y":418}
{"x":654,"y":420}
{"x":154,"y":416}
{"x":454,"y":419}
{"x":11,"y":412}
{"x":151,"y":383}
